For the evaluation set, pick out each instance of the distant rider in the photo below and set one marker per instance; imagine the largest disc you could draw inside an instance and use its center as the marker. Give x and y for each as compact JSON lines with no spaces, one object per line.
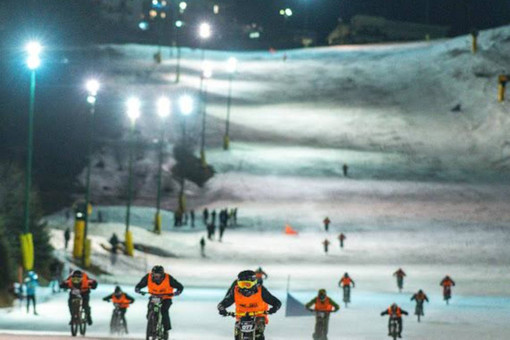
{"x":250,"y":296}
{"x":400,"y":278}
{"x":447,"y":284}
{"x":395,"y":312}
{"x":322,"y":303}
{"x":260,"y":274}
{"x":160,"y":283}
{"x":80,"y":280}
{"x":420,"y":297}
{"x":123,"y":300}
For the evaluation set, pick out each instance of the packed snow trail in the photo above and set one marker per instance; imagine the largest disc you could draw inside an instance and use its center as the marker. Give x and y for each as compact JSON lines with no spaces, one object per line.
{"x":194,"y":316}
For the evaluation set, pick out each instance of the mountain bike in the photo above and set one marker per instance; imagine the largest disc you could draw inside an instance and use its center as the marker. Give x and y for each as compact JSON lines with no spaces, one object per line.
{"x":347,"y":294}
{"x":155,"y":329}
{"x":78,"y":316}
{"x":447,"y":294}
{"x":321,"y":325}
{"x":117,"y":325}
{"x":393,"y":328}
{"x":418,"y":311}
{"x":249,"y":324}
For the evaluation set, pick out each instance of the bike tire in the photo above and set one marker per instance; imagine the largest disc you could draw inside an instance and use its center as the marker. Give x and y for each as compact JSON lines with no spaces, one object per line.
{"x":150,"y":331}
{"x":419,"y":317}
{"x":83,"y":328}
{"x":74,"y":328}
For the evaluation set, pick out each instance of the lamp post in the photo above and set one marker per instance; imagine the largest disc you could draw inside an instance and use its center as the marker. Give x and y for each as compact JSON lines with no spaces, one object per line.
{"x":33,"y":61}
{"x":231,"y":68}
{"x":178,"y":24}
{"x":92,"y":89}
{"x":163,"y":106}
{"x":185,"y":107}
{"x":133,"y":112}
{"x":204,"y":32}
{"x":206,"y":74}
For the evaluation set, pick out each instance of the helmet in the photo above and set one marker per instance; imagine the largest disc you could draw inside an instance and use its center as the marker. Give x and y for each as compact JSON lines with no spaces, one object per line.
{"x":322,"y":294}
{"x":394,"y":306}
{"x":346,"y":275}
{"x":157,"y":273}
{"x":420,"y":291}
{"x":76,"y":277}
{"x":247,"y":282}
{"x":118,"y":291}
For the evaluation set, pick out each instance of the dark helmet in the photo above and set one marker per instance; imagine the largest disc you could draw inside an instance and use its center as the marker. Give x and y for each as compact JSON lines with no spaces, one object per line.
{"x":76,"y":278}
{"x":346,"y":275}
{"x":247,"y":282}
{"x":420,"y":291}
{"x":77,"y":273}
{"x":322,"y":294}
{"x":118,"y":290}
{"x":157,"y":273}
{"x":394,"y":307}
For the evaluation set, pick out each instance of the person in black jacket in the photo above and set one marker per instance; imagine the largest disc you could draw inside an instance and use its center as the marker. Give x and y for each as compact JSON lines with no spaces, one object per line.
{"x":123,"y":300}
{"x":159,"y":282}
{"x":395,"y":312}
{"x":249,"y":295}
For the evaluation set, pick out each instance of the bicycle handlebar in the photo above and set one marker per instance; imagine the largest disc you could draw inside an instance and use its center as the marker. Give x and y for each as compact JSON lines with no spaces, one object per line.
{"x":157,"y":295}
{"x":232,"y":314}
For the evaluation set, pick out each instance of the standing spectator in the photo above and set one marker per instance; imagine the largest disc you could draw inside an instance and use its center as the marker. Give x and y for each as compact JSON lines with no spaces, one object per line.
{"x":213,"y":217}
{"x":341,"y":238}
{"x":210,"y":231}
{"x":345,"y":170}
{"x":185,"y":215}
{"x":55,"y":272}
{"x":31,"y":282}
{"x":326,"y":222}
{"x":205,"y":216}
{"x":114,"y":241}
{"x":67,"y":237}
{"x":223,"y":226}
{"x":235,"y":216}
{"x":68,"y":215}
{"x":192,"y":216}
{"x":326,"y":245}
{"x":202,"y":247}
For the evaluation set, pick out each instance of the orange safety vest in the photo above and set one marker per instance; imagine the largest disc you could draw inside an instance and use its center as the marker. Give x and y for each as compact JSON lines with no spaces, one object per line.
{"x":250,"y":304}
{"x":258,"y":275}
{"x":162,"y":288}
{"x":346,"y":281}
{"x":84,"y":283}
{"x":122,"y":301}
{"x":420,"y":297}
{"x":447,"y":283}
{"x":398,"y":313}
{"x":323,"y":306}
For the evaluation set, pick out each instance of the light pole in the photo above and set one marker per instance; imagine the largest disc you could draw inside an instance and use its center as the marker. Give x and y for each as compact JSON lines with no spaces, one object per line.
{"x":204,"y":32}
{"x":231,"y":68}
{"x":163,"y":106}
{"x":178,"y":24}
{"x":185,"y":107}
{"x":133,"y":112}
{"x":92,"y":88}
{"x":206,"y":74}
{"x":33,"y":50}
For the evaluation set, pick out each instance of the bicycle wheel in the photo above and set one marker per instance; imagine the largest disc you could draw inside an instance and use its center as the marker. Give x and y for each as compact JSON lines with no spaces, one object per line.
{"x":74,"y":328}
{"x":83,"y":323}
{"x":151,"y":327}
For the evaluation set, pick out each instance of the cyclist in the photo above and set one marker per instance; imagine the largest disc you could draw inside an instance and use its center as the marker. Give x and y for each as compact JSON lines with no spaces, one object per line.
{"x":447,"y":284}
{"x":123,"y":300}
{"x":395,"y":312}
{"x":250,"y":296}
{"x":346,"y":282}
{"x":80,"y":280}
{"x":400,"y":278}
{"x":161,"y":283}
{"x":420,"y":297}
{"x":322,"y":303}
{"x":260,"y":274}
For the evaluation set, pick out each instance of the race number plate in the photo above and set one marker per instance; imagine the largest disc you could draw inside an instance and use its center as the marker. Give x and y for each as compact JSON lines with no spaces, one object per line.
{"x":155,"y":299}
{"x":247,"y":327}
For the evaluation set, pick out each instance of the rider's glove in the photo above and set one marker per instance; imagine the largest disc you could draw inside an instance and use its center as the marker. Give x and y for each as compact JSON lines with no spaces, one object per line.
{"x":106,"y":299}
{"x":177,"y":293}
{"x":272,"y":310}
{"x":137,"y":290}
{"x":222,"y":312}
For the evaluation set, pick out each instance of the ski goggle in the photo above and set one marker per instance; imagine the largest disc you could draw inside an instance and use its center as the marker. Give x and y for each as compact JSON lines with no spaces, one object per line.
{"x":76,"y":280}
{"x":246,"y":284}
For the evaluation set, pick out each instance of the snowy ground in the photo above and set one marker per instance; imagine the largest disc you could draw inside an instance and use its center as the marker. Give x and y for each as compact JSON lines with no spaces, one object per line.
{"x":427,"y":191}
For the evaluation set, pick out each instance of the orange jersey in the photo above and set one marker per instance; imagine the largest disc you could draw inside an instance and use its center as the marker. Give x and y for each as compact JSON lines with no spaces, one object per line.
{"x":122,"y":301}
{"x":398,"y":312}
{"x":323,"y":306}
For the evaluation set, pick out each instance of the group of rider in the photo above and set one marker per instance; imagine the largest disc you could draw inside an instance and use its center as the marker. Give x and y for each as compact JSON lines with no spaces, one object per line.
{"x":246,"y":292}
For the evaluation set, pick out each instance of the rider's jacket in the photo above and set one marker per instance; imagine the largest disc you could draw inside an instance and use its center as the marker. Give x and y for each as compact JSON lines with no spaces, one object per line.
{"x":420,"y":297}
{"x":85,"y":286}
{"x":397,"y":313}
{"x":163,"y":288}
{"x":122,"y":301}
{"x":447,"y":282}
{"x":345,"y":281}
{"x":323,"y":306}
{"x":249,"y":304}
